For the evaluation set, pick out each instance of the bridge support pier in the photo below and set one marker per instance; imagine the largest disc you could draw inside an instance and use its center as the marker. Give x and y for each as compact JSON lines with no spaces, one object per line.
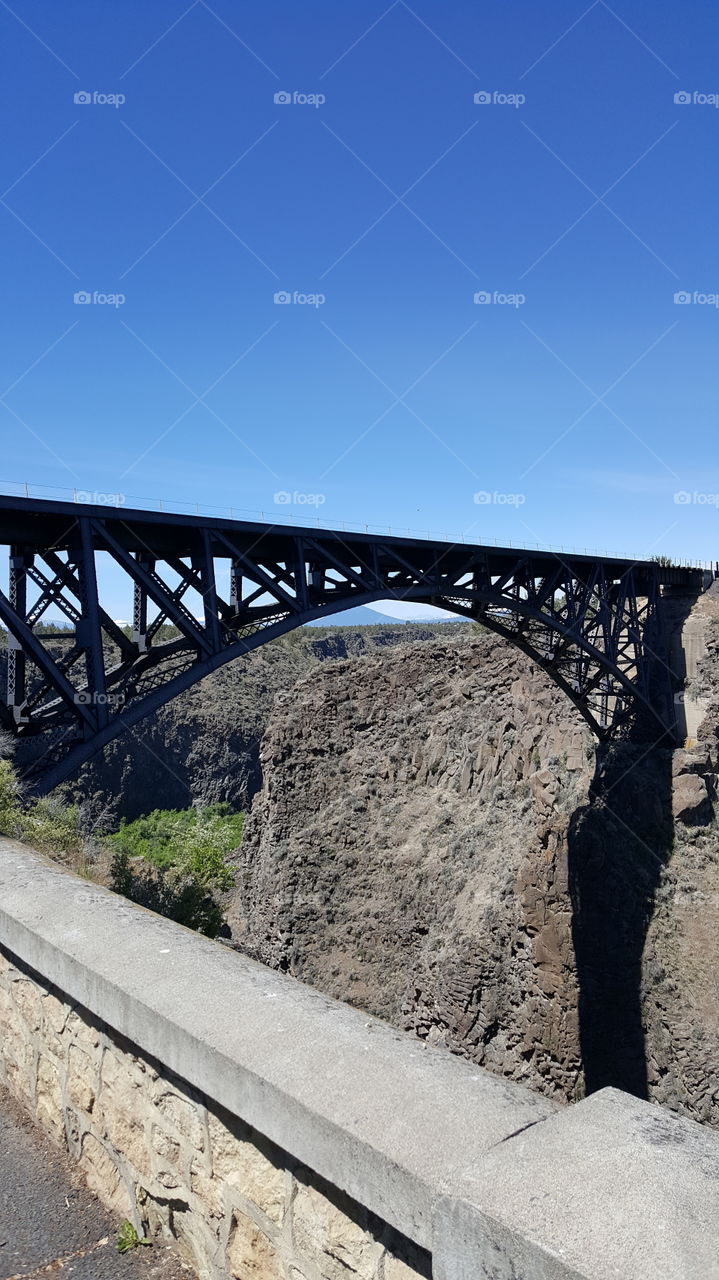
{"x":16,"y":660}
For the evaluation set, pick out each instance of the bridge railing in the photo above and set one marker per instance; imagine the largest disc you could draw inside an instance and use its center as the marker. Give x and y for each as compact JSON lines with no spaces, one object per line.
{"x":279,"y":514}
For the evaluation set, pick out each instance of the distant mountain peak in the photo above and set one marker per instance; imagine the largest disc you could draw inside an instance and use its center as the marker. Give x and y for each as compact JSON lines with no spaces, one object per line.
{"x":359,"y":616}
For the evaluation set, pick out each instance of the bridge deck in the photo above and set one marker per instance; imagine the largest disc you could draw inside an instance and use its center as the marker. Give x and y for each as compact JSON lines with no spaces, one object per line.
{"x":38,"y":524}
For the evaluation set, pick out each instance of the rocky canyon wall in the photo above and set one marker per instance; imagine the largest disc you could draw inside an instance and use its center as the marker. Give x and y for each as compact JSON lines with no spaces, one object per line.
{"x":408,"y":851}
{"x":438,"y":841}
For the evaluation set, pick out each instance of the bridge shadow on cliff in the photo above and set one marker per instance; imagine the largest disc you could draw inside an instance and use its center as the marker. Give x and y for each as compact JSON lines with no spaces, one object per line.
{"x":619,"y":844}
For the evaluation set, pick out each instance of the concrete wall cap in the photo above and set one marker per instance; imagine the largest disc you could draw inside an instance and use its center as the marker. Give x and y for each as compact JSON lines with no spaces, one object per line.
{"x":374,"y":1111}
{"x":612,"y":1188}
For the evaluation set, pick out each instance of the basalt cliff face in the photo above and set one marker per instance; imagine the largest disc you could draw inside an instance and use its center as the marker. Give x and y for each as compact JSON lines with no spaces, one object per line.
{"x":437,"y":841}
{"x":203,"y":747}
{"x":680,"y":975}
{"x":408,"y":851}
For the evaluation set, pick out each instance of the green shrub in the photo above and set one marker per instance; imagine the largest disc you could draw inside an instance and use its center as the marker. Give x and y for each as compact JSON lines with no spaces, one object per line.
{"x":9,"y":798}
{"x":51,"y":826}
{"x":47,"y":823}
{"x":191,"y":842}
{"x":184,"y":851}
{"x":170,"y":893}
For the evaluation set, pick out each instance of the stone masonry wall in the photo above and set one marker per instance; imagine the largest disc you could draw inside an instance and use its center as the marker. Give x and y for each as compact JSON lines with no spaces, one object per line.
{"x":156,"y":1151}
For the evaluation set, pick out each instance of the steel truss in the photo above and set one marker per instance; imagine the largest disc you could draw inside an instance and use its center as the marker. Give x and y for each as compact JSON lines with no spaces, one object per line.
{"x":205,"y":592}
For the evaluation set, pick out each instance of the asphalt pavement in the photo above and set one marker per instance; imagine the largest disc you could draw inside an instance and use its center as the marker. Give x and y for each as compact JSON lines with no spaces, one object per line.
{"x":51,"y":1224}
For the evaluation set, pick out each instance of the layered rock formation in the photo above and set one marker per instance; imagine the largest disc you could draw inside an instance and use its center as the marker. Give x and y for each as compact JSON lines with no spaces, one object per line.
{"x":408,"y":852}
{"x":203,"y":747}
{"x":438,"y":841}
{"x":680,"y":980}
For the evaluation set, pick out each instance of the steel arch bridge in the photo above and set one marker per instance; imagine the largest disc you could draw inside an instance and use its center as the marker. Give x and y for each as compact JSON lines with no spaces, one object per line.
{"x":225,"y":587}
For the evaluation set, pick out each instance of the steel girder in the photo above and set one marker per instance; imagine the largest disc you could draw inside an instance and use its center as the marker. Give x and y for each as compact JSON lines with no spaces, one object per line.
{"x":221,"y":588}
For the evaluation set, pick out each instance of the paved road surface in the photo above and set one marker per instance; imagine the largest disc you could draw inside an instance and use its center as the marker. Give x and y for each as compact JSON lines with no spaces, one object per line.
{"x":47,"y":1216}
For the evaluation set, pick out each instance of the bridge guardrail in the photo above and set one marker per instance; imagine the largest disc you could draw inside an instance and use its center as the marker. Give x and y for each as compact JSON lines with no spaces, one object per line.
{"x":284,"y":517}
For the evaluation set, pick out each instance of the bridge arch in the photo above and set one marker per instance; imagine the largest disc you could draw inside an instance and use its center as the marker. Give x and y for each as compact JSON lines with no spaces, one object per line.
{"x":592,"y":623}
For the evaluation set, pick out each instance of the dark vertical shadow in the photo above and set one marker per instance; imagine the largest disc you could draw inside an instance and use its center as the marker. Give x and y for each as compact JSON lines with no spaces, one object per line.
{"x":618,"y":845}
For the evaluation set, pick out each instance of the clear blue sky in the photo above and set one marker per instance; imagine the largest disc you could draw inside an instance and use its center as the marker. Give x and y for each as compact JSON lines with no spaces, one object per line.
{"x":306,"y":400}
